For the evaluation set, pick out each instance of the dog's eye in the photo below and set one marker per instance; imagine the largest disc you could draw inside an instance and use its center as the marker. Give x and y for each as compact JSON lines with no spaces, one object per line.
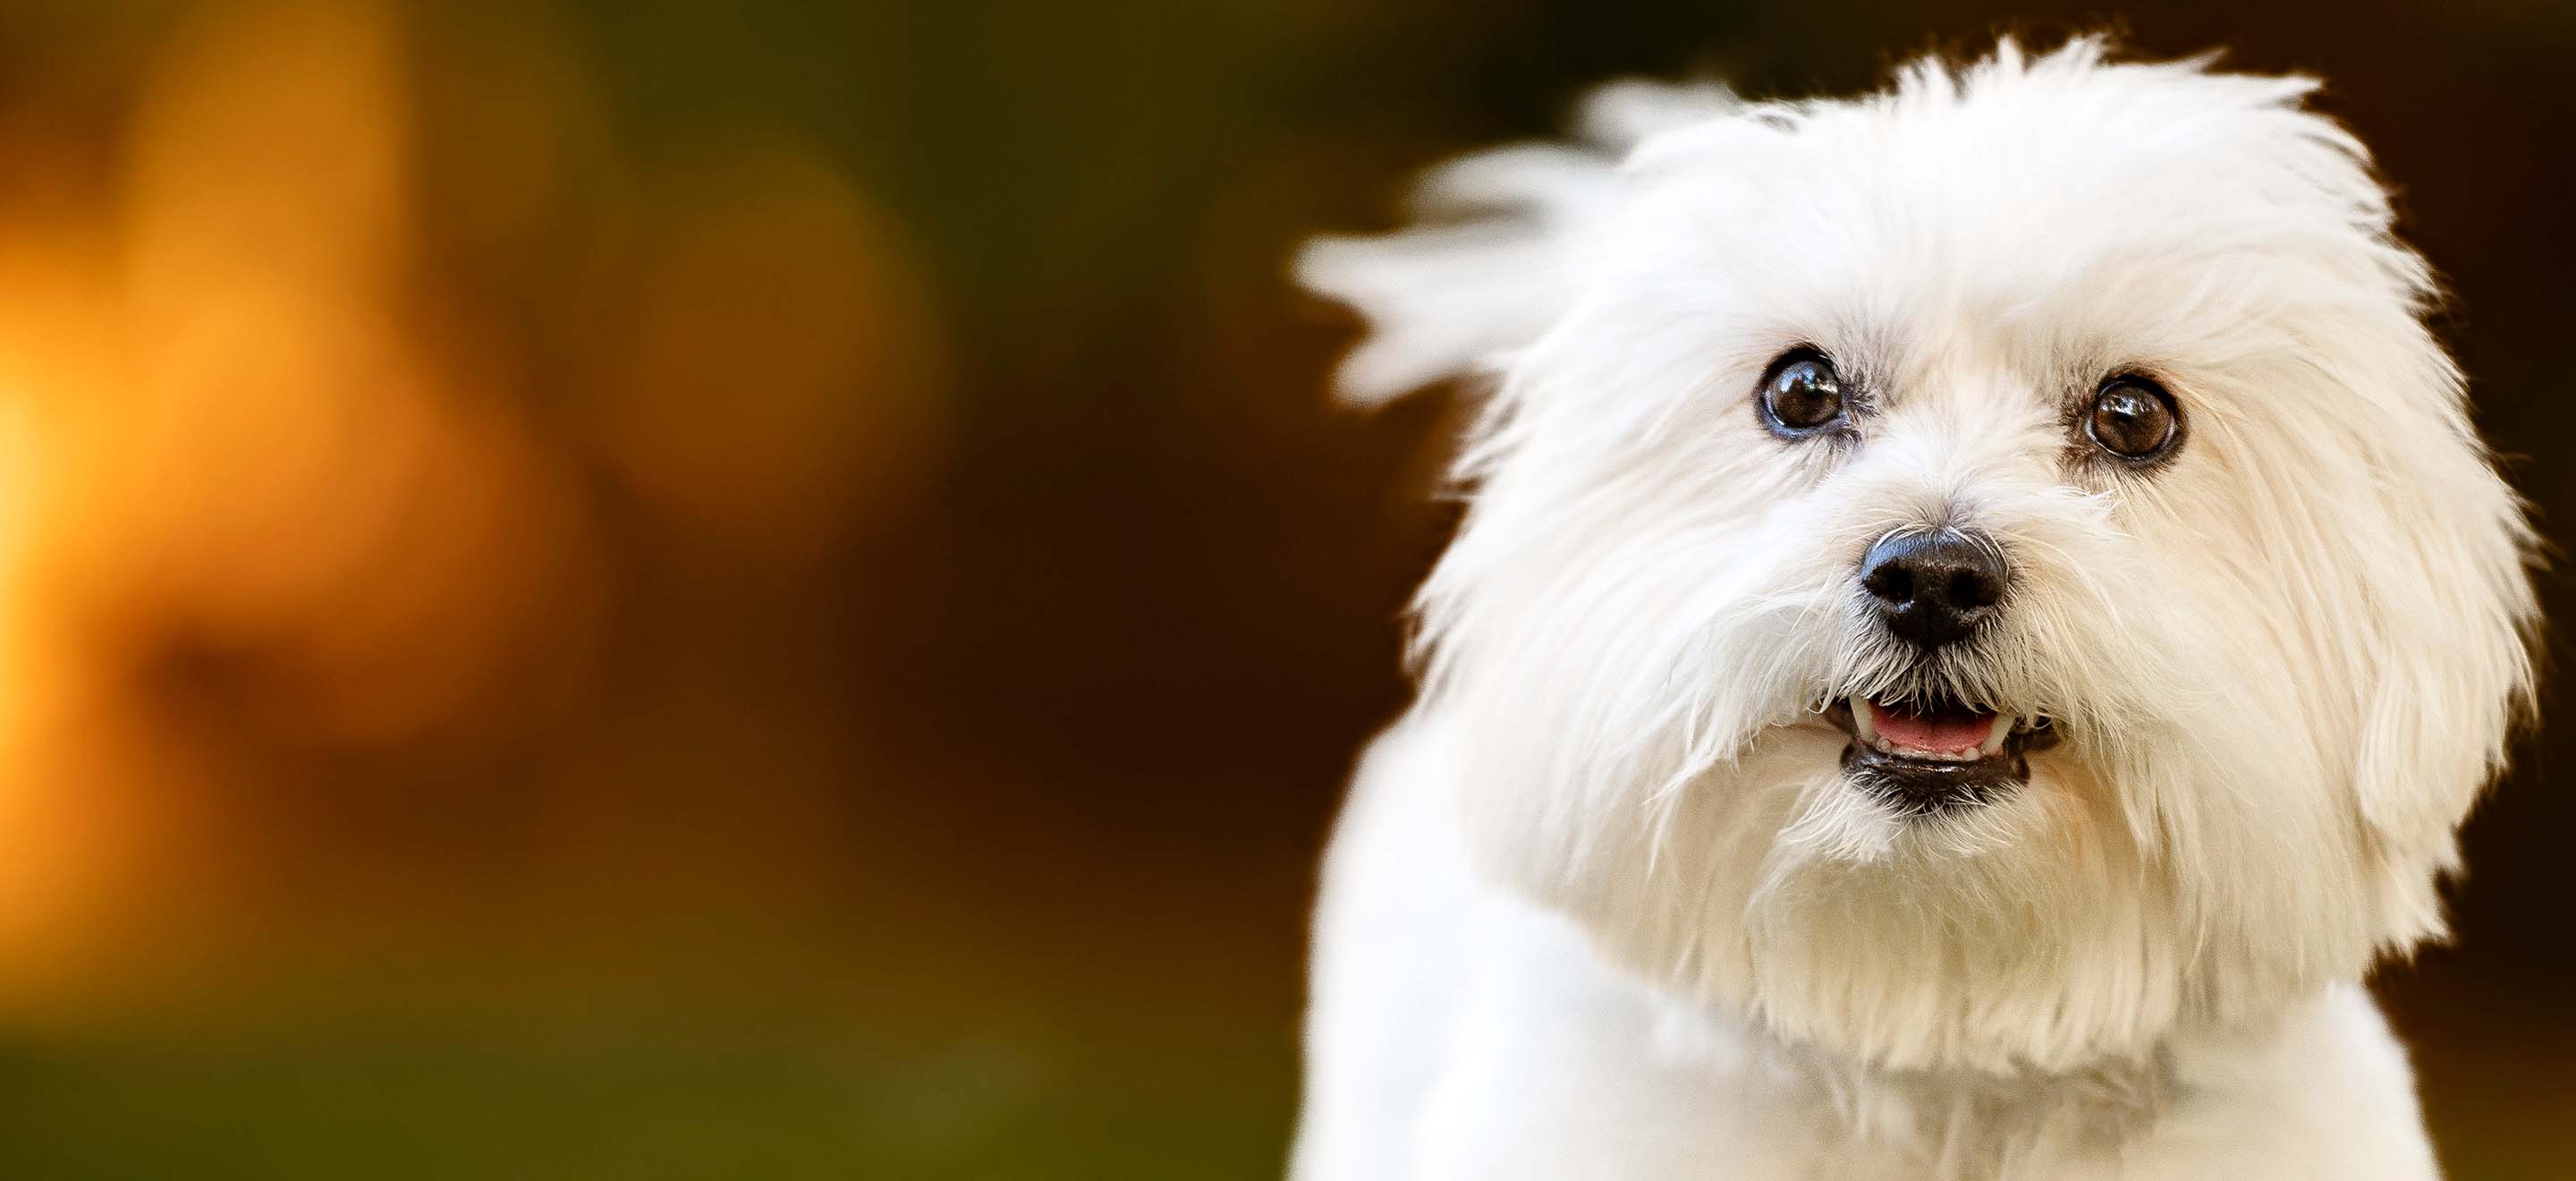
{"x":2133,"y":418}
{"x":1801,"y":394}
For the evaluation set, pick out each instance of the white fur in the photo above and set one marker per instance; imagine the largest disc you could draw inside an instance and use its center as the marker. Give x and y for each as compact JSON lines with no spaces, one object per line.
{"x":1603,"y":906}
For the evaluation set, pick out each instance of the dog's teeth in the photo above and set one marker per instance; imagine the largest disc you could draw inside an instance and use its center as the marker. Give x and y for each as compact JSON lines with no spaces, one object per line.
{"x":1862,"y":723}
{"x":1995,"y":737}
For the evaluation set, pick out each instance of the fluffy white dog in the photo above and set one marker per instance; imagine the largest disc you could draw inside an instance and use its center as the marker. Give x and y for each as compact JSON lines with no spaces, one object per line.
{"x":1979,"y":612}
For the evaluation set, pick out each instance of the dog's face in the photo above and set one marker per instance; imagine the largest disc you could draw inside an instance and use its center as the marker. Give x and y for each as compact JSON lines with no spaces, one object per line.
{"x":1974,"y":576}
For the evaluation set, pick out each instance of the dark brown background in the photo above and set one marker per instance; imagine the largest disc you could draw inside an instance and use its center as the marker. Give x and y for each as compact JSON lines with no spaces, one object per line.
{"x":623,"y":589}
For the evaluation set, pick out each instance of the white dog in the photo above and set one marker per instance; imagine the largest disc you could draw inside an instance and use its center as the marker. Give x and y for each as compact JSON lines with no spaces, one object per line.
{"x":1979,"y":612}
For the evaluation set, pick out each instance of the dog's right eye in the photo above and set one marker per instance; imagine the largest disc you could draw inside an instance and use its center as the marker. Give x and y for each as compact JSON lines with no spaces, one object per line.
{"x":1801,"y":394}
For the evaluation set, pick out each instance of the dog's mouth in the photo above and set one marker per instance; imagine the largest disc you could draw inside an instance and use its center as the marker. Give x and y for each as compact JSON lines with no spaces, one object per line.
{"x":1928,"y":756}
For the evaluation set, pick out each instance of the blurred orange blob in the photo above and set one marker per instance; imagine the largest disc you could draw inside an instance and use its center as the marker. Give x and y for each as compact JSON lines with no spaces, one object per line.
{"x":764,"y":372}
{"x":308,"y":404}
{"x":316,"y":470}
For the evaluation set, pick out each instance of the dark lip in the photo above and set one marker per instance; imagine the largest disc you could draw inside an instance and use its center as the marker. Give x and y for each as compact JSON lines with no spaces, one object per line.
{"x":1929,"y":787}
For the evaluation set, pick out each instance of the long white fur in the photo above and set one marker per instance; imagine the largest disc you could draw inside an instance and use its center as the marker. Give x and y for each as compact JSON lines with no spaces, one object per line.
{"x":2285,"y":663}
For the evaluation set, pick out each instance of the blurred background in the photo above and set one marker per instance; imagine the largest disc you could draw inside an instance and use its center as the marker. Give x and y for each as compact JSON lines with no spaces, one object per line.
{"x":767,"y":590}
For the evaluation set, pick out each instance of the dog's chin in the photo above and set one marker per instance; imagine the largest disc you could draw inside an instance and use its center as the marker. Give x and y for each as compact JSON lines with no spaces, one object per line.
{"x":1936,"y":757}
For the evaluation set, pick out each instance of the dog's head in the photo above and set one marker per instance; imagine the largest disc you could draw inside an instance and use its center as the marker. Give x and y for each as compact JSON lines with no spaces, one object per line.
{"x":1974,"y":575}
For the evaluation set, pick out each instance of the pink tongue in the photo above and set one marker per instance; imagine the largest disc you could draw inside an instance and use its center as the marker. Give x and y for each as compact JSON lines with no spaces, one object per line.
{"x":1949,"y":732}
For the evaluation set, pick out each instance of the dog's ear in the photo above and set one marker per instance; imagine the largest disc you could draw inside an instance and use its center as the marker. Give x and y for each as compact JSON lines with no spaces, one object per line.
{"x":2447,"y":617}
{"x":1496,"y":245}
{"x":2452,"y":672}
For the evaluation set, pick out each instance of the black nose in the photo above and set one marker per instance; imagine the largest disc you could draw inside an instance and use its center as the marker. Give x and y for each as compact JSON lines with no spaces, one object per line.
{"x":1934,"y":586}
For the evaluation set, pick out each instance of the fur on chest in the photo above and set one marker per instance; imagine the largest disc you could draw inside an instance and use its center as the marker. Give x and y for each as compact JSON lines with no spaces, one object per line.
{"x":1934,"y":1124}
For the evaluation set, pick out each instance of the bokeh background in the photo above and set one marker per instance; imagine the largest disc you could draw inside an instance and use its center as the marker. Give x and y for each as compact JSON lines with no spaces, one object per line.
{"x":678,"y":590}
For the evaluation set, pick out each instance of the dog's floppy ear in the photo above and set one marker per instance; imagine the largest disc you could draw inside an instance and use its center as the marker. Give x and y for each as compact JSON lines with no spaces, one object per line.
{"x":1495,"y":252}
{"x":2445,"y":669}
{"x":2453,"y":671}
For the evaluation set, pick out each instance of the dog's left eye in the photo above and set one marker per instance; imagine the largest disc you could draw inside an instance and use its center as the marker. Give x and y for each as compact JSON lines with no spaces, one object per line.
{"x":1801,"y":394}
{"x":2133,"y":418}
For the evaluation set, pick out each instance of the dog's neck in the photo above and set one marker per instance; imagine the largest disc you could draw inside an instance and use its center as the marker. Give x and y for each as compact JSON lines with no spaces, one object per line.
{"x":1959,"y":1123}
